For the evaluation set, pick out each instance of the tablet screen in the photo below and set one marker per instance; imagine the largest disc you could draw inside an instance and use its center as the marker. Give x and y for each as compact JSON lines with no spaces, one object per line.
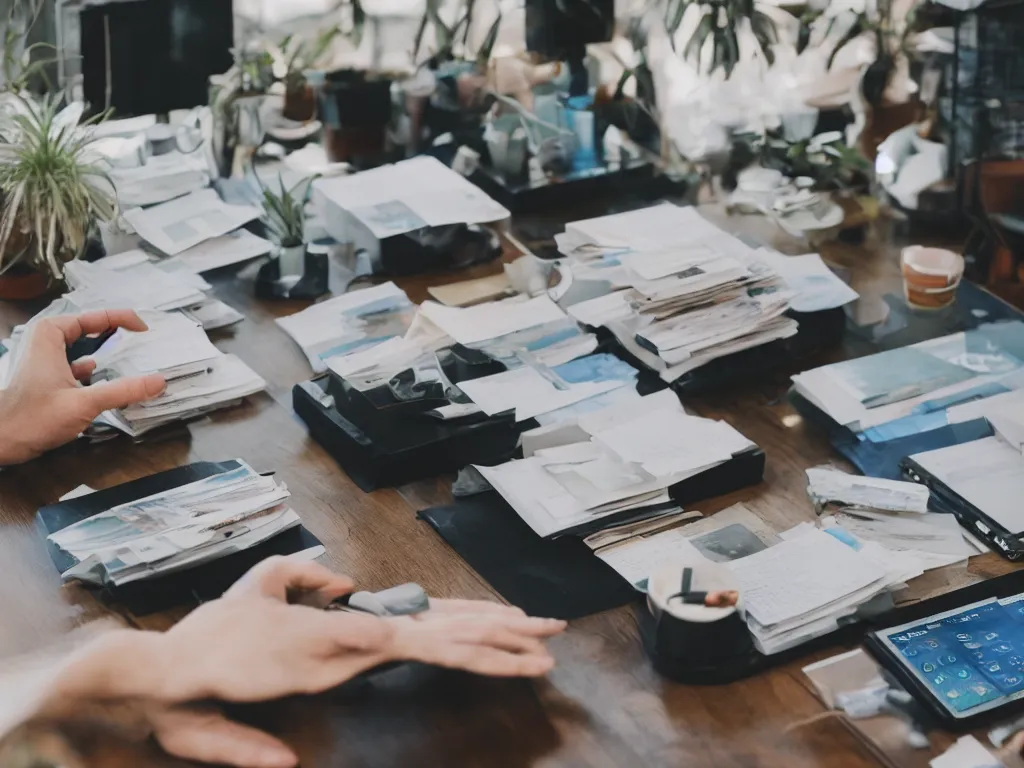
{"x":971,"y":659}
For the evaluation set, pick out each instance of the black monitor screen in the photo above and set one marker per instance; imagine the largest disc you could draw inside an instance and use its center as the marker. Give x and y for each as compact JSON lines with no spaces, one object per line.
{"x":156,"y":54}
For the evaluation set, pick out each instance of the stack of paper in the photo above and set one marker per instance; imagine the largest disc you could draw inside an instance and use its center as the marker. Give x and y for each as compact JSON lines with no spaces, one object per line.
{"x":690,"y":293}
{"x":130,"y":279}
{"x":355,"y":321}
{"x":233,"y":248}
{"x":639,"y":549}
{"x":616,"y":460}
{"x":133,"y":279}
{"x":180,"y":224}
{"x":549,"y":374}
{"x":395,"y":199}
{"x":914,"y":389}
{"x":160,"y":179}
{"x":177,"y":529}
{"x":200,"y":378}
{"x":891,"y":514}
{"x":800,"y":588}
{"x":534,"y":390}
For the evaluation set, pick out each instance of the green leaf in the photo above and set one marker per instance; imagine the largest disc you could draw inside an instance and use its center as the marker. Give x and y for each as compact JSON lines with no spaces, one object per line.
{"x":675,"y":20}
{"x":700,"y":34}
{"x":732,"y":51}
{"x":858,"y":27}
{"x":625,"y":77}
{"x":484,"y":54}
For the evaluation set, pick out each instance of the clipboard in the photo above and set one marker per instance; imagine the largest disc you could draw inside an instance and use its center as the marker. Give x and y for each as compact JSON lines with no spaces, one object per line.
{"x":192,"y":586}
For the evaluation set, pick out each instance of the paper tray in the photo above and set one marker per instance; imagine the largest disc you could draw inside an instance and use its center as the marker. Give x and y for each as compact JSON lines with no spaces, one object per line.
{"x":189,"y":587}
{"x":818,"y":331}
{"x":384,"y":453}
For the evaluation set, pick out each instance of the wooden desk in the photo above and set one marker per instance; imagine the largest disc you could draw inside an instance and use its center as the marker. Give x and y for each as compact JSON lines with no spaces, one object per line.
{"x":602,"y":706}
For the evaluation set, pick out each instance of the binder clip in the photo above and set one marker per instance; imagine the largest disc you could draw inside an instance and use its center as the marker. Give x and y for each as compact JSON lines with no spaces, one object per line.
{"x":694,"y":630}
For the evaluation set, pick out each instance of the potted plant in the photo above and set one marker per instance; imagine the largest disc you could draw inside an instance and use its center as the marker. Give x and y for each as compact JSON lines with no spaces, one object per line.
{"x":285,"y":220}
{"x":720,"y":20}
{"x":19,"y":64}
{"x":300,"y":56}
{"x":236,"y":98}
{"x":53,"y":193}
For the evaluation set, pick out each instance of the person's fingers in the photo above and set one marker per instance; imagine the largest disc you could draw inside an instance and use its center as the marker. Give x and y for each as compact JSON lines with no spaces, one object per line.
{"x":82,"y":368}
{"x":206,"y":736}
{"x":75,"y":327}
{"x":506,"y":640}
{"x":300,"y":581}
{"x":1016,"y":744}
{"x":312,"y":578}
{"x":121,"y":393}
{"x":522,"y":625}
{"x":446,"y":606}
{"x":492,"y":662}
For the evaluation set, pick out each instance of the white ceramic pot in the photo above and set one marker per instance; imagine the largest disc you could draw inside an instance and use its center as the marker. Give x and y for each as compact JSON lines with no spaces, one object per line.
{"x":292,"y":260}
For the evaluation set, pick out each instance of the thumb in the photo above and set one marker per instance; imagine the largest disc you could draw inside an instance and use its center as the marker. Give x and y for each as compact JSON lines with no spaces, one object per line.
{"x":206,"y":736}
{"x":121,"y":393}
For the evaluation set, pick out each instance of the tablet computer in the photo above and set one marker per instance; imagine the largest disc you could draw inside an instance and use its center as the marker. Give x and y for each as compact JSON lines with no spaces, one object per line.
{"x":966,"y":664}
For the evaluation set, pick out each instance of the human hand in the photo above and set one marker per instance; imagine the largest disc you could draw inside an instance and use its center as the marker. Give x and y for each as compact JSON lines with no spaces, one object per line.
{"x":267,"y":637}
{"x":477,"y":636}
{"x":44,"y":406}
{"x":204,"y":735}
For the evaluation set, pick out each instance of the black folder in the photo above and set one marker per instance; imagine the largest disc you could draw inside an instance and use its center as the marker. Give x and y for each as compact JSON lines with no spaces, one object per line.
{"x":884,"y":459}
{"x":189,"y":587}
{"x":1009,"y":544}
{"x":381,"y":440}
{"x":556,"y":578}
{"x":561,"y":577}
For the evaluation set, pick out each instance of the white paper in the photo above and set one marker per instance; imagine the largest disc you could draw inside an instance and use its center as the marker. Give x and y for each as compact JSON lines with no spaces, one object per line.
{"x":528,"y":392}
{"x":128,"y":280}
{"x":223,"y":251}
{"x":967,"y":752}
{"x":213,"y":314}
{"x":816,"y":287}
{"x":637,"y":559}
{"x":161,"y":178}
{"x":668,"y":442}
{"x":350,"y":322}
{"x":472,"y":325}
{"x":410,"y":195}
{"x":988,"y":474}
{"x":180,"y":224}
{"x":826,"y":484}
{"x":800,"y":576}
{"x":82,"y":490}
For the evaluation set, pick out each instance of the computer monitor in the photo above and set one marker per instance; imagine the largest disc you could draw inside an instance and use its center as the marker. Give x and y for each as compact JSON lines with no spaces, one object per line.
{"x":146,"y":57}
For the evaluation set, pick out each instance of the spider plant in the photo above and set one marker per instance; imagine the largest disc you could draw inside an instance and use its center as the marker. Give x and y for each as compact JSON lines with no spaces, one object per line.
{"x":720,"y":20}
{"x":301,"y":55}
{"x":447,"y":38}
{"x":285,"y":211}
{"x":19,"y":64}
{"x":53,"y":190}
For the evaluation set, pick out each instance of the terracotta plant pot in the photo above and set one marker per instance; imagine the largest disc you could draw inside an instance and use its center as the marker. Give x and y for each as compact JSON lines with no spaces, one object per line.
{"x":23,"y":285}
{"x":299,"y":104}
